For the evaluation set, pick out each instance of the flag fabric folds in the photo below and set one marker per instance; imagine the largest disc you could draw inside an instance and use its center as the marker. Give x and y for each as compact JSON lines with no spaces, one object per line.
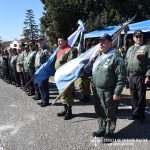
{"x":73,"y":37}
{"x":48,"y":68}
{"x":70,"y":71}
{"x":80,"y":44}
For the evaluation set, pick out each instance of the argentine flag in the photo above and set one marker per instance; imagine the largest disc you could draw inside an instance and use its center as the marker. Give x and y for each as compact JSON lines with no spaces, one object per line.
{"x":71,"y":70}
{"x":48,"y":69}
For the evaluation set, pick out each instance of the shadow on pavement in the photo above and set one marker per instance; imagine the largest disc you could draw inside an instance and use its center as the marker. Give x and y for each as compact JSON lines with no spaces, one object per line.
{"x":135,"y":130}
{"x":86,"y":115}
{"x":76,"y":103}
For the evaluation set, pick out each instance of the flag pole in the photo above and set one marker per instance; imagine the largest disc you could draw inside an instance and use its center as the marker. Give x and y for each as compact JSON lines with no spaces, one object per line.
{"x":53,"y":102}
{"x":113,"y":38}
{"x":29,"y":82}
{"x":90,"y":62}
{"x":93,"y":60}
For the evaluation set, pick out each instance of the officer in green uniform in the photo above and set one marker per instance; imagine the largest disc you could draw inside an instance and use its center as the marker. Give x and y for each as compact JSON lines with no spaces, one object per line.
{"x":138,"y":69}
{"x":65,"y":54}
{"x":108,"y":77}
{"x":13,"y":61}
{"x":42,"y":90}
{"x":30,"y":66}
{"x":19,"y":64}
{"x":25,"y":64}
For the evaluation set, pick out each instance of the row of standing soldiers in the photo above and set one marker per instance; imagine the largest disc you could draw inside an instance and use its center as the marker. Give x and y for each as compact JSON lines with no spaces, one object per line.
{"x":18,"y":66}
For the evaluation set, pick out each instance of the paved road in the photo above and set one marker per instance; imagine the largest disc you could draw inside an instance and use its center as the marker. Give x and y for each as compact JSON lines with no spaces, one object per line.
{"x":24,"y":125}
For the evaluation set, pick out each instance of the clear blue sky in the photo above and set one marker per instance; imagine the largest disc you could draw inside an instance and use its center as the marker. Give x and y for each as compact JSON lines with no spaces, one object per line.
{"x":13,"y":14}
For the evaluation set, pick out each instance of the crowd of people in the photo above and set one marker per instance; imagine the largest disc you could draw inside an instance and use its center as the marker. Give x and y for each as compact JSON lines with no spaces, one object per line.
{"x":18,"y":67}
{"x":107,"y":77}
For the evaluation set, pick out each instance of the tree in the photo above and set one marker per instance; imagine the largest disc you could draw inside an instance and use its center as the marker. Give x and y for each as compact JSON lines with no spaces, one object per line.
{"x":61,"y":16}
{"x":30,"y":30}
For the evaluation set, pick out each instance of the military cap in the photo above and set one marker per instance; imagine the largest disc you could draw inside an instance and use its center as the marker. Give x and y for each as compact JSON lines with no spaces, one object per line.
{"x":62,"y":37}
{"x":138,"y":32}
{"x":104,"y":37}
{"x":22,"y":45}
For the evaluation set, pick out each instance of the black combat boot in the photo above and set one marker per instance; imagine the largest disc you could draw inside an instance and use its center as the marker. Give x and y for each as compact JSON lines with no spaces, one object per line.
{"x":44,"y":104}
{"x":98,"y":133}
{"x":63,"y":113}
{"x":68,"y":115}
{"x":31,"y":92}
{"x":37,"y":97}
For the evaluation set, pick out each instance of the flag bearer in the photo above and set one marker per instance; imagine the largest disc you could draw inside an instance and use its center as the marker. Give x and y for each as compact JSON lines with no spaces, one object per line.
{"x":108,"y":77}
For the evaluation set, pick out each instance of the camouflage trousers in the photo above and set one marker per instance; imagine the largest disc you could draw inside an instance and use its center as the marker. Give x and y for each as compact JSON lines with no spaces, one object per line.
{"x":67,"y":96}
{"x":84,"y":86}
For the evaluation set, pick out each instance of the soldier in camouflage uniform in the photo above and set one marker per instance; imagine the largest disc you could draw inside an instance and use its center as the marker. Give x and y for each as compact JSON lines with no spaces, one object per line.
{"x":84,"y":87}
{"x":138,"y":69}
{"x":84,"y":84}
{"x":108,"y":77}
{"x":65,"y":54}
{"x":42,"y":90}
{"x":31,"y":66}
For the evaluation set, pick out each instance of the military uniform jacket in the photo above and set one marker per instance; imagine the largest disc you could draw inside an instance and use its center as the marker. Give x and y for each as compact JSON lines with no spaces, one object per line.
{"x":138,"y":65}
{"x":19,"y":64}
{"x":13,"y":62}
{"x":1,"y":61}
{"x":31,"y":60}
{"x":5,"y":62}
{"x":25,"y":65}
{"x":64,"y":57}
{"x":110,"y":74}
{"x":41,"y":57}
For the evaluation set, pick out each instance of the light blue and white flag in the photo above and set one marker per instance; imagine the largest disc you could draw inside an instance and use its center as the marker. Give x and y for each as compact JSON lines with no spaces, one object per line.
{"x":80,"y":44}
{"x":70,"y":71}
{"x":48,"y":69}
{"x":73,"y":37}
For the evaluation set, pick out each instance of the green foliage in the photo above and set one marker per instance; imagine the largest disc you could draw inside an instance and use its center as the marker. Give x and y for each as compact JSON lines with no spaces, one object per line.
{"x":30,"y":30}
{"x":61,"y":16}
